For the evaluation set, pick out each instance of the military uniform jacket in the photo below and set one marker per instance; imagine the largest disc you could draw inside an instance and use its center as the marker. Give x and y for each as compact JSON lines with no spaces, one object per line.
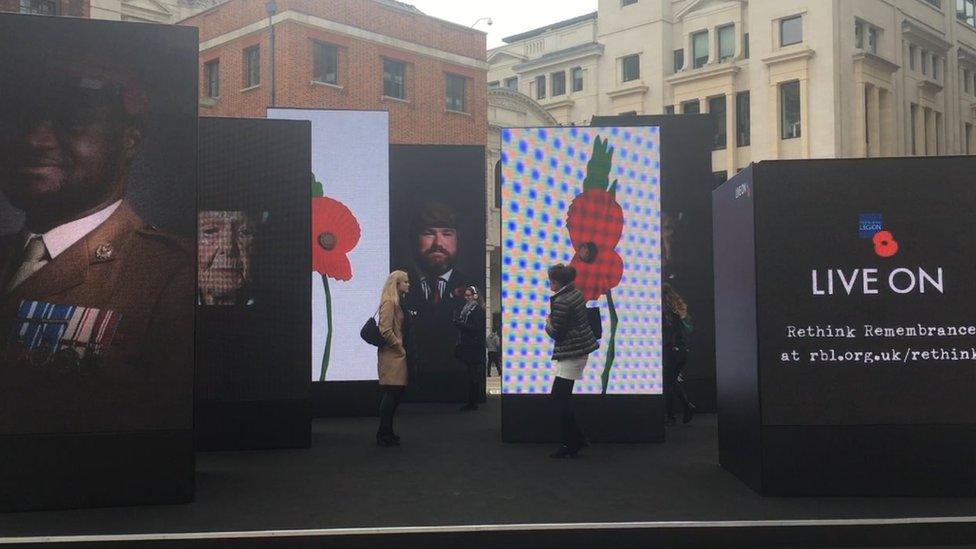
{"x":143,"y":379}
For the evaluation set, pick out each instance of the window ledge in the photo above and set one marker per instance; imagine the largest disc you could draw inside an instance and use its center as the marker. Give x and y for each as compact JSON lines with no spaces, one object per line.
{"x":251,"y":88}
{"x":209,"y":102}
{"x":629,"y":88}
{"x":452,"y":111}
{"x":327,"y":85}
{"x":789,"y":53}
{"x":930,"y":86}
{"x":394,"y":99}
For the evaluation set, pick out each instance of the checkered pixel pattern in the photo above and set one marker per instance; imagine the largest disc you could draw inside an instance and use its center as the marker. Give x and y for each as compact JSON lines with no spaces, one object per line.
{"x":542,"y":192}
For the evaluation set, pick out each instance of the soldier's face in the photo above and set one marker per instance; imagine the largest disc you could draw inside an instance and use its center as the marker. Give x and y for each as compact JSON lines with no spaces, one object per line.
{"x":64,"y":155}
{"x":226,"y":240}
{"x":437,"y":248}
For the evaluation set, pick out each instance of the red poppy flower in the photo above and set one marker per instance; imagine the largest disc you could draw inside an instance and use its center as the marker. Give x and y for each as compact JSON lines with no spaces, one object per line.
{"x":595,"y":222}
{"x":885,"y":244}
{"x":335,"y":232}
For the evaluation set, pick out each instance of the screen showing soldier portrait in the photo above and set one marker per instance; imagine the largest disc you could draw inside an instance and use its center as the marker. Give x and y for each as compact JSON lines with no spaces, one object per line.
{"x":98,"y":220}
{"x":588,"y":198}
{"x":253,"y":256}
{"x":437,"y":235}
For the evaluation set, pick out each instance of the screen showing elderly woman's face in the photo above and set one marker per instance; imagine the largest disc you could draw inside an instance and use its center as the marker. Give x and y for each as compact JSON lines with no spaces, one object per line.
{"x":226,"y":240}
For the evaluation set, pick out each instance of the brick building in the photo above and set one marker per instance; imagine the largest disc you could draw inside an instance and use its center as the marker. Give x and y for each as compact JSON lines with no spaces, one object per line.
{"x":74,"y":8}
{"x":345,"y":54}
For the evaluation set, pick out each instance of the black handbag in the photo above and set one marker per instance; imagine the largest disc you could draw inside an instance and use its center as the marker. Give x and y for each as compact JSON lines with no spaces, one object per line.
{"x":370,"y":333}
{"x":595,"y":322}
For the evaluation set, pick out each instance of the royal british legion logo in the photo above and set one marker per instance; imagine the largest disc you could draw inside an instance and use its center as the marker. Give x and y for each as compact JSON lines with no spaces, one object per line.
{"x":869,"y":224}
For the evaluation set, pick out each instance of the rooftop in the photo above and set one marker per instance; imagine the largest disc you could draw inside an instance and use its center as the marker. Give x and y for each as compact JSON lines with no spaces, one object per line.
{"x":541,"y":30}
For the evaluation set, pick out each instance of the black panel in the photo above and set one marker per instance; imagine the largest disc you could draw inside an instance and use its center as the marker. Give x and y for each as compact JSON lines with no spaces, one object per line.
{"x":735,"y":329}
{"x":870,"y":460}
{"x":95,"y":470}
{"x":345,"y":399}
{"x":686,"y":186}
{"x":454,"y":176}
{"x":619,"y":418}
{"x":807,"y":217}
{"x":254,"y":329}
{"x":98,"y":412}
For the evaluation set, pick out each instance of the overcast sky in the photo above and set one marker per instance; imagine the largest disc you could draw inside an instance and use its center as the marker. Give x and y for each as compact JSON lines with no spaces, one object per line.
{"x":508,"y":16}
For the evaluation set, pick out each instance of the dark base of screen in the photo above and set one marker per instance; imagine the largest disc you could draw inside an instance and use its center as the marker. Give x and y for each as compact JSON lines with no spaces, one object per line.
{"x":362,"y":398}
{"x":853,"y":460}
{"x":258,"y":425}
{"x":41,"y":472}
{"x":614,"y":418}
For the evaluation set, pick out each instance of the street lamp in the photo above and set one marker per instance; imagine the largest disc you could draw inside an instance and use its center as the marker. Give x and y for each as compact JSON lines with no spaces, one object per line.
{"x":482,"y":19}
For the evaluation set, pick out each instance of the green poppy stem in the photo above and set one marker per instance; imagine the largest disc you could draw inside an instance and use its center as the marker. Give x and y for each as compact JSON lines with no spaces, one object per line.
{"x":612,"y":345}
{"x":328,"y":337}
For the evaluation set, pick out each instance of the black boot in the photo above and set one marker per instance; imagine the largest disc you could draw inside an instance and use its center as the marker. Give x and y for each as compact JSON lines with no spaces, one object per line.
{"x":564,"y":452}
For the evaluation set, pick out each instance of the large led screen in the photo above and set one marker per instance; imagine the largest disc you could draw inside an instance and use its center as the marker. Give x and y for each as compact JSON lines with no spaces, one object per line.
{"x":98,"y":145}
{"x":350,"y":235}
{"x":437,"y":196}
{"x":253,"y":325}
{"x":590,"y":198}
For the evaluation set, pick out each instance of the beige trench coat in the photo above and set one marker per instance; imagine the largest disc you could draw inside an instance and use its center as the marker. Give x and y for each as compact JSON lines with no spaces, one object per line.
{"x":392,"y":357}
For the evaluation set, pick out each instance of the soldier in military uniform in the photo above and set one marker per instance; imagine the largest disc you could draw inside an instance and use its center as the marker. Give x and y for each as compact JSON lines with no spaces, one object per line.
{"x":96,"y":305}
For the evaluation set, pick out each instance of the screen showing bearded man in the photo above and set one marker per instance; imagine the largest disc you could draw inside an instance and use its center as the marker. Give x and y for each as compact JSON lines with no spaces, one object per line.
{"x":437,"y":285}
{"x":225,"y":248}
{"x":96,"y":307}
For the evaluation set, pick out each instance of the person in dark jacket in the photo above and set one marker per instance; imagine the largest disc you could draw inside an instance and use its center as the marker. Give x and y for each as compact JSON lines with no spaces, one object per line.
{"x":470,"y":348}
{"x":677,"y":326}
{"x":573,"y":342}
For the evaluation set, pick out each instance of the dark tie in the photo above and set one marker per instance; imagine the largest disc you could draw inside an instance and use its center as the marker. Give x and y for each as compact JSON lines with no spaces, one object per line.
{"x":34,"y":258}
{"x":434,"y":290}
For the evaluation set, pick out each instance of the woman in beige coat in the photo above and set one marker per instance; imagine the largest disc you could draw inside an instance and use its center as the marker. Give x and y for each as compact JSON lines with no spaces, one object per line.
{"x":392,"y":356}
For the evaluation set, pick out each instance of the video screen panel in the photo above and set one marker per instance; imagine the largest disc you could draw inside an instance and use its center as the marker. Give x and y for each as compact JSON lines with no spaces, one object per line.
{"x":98,"y":150}
{"x":590,"y":198}
{"x":437,"y":234}
{"x":253,"y":314}
{"x":350,"y":235}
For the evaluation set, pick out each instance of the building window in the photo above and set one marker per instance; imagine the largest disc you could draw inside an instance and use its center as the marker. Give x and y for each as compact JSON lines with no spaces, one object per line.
{"x":454,"y":92}
{"x":558,"y":83}
{"x":789,"y":99}
{"x":699,"y":49}
{"x":40,"y":7}
{"x":936,"y":61}
{"x":540,"y":87}
{"x":726,"y":42}
{"x":252,"y":66}
{"x":493,"y":85}
{"x":969,"y":140}
{"x":745,"y":46}
{"x":394,"y":79}
{"x":743,"y":123}
{"x":866,"y":37}
{"x":791,"y":31}
{"x":669,"y":109}
{"x":679,"y":60}
{"x":630,"y":68}
{"x":965,"y":81}
{"x":966,"y":11}
{"x":691,"y":107}
{"x":325,"y":63}
{"x":512,"y":83}
{"x":625,"y":3}
{"x":924,"y":55}
{"x":936,"y":3}
{"x":719,"y":178}
{"x":912,"y":52}
{"x":211,"y":77}
{"x":577,"y":79}
{"x":716,"y":109}
{"x":629,"y":113}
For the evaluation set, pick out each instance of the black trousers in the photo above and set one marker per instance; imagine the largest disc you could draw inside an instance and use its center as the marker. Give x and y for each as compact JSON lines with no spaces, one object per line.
{"x":476,"y":379}
{"x":493,"y":360}
{"x":562,"y":397}
{"x":388,"y":406}
{"x":674,"y":389}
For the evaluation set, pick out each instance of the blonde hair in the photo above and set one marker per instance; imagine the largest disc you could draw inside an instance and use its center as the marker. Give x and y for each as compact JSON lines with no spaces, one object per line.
{"x":390,"y":287}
